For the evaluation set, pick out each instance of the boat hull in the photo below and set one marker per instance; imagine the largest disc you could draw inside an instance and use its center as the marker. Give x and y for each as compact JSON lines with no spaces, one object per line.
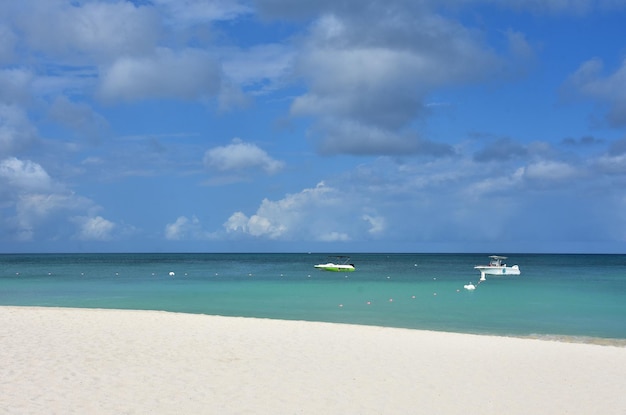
{"x":497,"y":271}
{"x":489,"y":270}
{"x":335,"y":267}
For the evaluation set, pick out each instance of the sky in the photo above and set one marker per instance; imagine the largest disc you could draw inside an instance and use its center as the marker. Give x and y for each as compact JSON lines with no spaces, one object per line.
{"x":333,"y":126}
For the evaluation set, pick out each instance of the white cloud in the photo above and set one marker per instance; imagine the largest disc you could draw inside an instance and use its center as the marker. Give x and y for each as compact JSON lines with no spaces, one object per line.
{"x":24,"y":176}
{"x":241,"y":156}
{"x":92,"y":31}
{"x":36,"y":204}
{"x":333,"y":237}
{"x":35,"y":211}
{"x":502,"y":183}
{"x":94,"y":228}
{"x":238,"y":222}
{"x":612,"y":164}
{"x":176,"y":230}
{"x":188,"y":74}
{"x":551,"y":171}
{"x":321,"y":213}
{"x":186,"y":228}
{"x":380,"y":82}
{"x":377,"y":223}
{"x":343,"y":136}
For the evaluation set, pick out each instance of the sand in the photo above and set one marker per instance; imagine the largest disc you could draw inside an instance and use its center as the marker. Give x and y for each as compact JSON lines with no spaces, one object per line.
{"x":80,"y":361}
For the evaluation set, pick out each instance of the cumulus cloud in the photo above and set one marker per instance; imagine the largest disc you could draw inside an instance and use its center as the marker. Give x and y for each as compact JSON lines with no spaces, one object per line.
{"x":377,"y":223}
{"x":94,"y":228}
{"x":92,"y":30}
{"x":379,"y":82}
{"x":547,"y":171}
{"x":503,"y":183}
{"x":32,"y":201}
{"x":322,"y":213}
{"x":24,"y":176}
{"x":184,"y":228}
{"x":283,"y":218}
{"x":187,"y":74}
{"x":241,"y":156}
{"x":611,"y":164}
{"x":349,"y":137}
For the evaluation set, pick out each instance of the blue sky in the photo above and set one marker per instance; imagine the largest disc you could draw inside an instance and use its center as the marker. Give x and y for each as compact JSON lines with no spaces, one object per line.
{"x":313,"y":125}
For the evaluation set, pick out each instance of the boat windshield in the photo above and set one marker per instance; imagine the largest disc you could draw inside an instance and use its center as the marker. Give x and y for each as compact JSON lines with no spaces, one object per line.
{"x":496,"y":261}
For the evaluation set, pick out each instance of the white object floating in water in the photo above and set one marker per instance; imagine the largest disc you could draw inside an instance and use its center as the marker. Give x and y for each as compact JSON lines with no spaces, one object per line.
{"x":469,"y":286}
{"x":172,"y":273}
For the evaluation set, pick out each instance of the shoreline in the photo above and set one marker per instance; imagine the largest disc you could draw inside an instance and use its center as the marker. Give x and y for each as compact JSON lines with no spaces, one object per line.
{"x":106,"y":361}
{"x":564,"y":338}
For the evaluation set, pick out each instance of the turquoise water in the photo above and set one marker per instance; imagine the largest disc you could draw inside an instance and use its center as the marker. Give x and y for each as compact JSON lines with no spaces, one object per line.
{"x":556,"y":295}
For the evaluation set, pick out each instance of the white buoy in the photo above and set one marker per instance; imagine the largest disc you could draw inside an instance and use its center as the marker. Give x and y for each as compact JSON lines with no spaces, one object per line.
{"x":469,"y":286}
{"x":172,"y":273}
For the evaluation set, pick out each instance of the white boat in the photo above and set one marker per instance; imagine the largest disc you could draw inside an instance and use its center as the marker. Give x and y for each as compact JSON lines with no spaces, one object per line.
{"x":343,"y":266}
{"x":496,"y":267}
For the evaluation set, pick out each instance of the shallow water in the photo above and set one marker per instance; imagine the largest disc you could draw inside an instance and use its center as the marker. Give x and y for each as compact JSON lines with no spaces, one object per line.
{"x":556,"y":295}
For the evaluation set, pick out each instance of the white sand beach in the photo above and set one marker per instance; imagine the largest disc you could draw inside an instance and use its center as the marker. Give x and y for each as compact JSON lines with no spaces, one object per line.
{"x":80,"y":361}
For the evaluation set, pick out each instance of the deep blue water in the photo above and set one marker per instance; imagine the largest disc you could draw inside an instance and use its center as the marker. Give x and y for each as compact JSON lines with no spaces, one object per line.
{"x":560,"y":295}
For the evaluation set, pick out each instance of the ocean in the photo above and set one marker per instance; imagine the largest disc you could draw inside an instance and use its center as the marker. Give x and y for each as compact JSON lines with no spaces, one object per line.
{"x":556,"y":296}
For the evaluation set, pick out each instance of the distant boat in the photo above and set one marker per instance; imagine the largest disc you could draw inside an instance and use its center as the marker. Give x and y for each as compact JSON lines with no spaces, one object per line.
{"x":342,"y":265}
{"x":497,"y":268}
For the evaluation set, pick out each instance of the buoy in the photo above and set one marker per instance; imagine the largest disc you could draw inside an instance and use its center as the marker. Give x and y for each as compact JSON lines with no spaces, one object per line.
{"x":469,"y":286}
{"x":172,"y":273}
